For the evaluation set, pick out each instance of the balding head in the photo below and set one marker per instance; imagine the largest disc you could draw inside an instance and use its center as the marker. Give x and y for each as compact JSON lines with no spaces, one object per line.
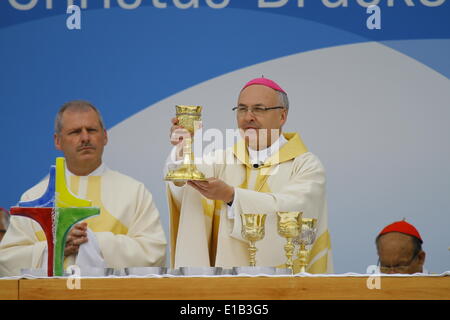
{"x":400,"y":253}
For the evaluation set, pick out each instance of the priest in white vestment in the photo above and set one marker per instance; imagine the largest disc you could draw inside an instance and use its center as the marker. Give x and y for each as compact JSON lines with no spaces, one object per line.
{"x":268,"y":171}
{"x":128,"y":231}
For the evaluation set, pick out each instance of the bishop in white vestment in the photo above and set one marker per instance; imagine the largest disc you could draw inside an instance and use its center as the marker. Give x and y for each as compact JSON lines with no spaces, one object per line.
{"x":283,"y":176}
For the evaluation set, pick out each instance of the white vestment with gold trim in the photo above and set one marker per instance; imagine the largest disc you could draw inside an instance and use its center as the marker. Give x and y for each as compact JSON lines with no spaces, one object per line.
{"x":293,"y":179}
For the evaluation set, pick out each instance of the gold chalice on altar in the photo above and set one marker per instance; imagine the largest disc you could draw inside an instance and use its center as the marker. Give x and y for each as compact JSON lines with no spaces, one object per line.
{"x":253,"y":230}
{"x":289,"y":227}
{"x":305,"y":240}
{"x":188,"y":118}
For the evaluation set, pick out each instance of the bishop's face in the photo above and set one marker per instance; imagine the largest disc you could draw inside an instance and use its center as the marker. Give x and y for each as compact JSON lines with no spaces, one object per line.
{"x":82,"y":140}
{"x":260,"y":129}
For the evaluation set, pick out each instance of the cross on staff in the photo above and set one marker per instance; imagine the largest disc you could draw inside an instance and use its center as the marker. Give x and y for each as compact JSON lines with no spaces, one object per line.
{"x":56,"y":211}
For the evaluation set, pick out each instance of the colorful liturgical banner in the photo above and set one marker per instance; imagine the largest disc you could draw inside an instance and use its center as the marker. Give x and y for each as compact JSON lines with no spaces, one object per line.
{"x":56,"y":211}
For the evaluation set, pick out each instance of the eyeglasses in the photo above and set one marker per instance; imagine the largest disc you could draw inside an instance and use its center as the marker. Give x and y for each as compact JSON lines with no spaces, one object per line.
{"x":396,"y":269}
{"x":257,"y":111}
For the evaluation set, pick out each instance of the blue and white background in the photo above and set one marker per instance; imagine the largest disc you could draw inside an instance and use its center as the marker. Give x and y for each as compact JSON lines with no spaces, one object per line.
{"x":373,"y":105}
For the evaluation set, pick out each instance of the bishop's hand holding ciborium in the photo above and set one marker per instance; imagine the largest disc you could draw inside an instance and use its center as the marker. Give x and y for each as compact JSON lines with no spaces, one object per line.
{"x":305,"y":240}
{"x":289,"y":227}
{"x":188,"y":118}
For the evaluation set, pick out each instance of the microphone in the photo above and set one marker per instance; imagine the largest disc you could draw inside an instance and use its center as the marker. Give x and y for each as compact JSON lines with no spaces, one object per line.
{"x":257,"y":165}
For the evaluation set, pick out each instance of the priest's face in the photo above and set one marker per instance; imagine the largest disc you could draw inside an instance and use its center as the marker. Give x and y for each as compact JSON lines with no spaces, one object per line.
{"x":260,"y":127}
{"x":397,"y":255}
{"x":82,"y":140}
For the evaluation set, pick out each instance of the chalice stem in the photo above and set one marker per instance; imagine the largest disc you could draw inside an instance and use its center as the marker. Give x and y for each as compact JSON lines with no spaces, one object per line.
{"x":303,"y":258}
{"x":252,"y":250}
{"x":188,"y":156}
{"x":289,"y":249}
{"x":302,"y":269}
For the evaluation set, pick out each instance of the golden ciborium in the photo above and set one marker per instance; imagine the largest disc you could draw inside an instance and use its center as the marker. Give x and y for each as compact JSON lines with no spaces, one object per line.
{"x":188,"y":118}
{"x":289,"y":227}
{"x":305,"y":240}
{"x":253,"y":230}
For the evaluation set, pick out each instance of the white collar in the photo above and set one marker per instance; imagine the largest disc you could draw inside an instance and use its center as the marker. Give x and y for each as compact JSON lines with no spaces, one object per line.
{"x":97,"y":172}
{"x":259,"y":156}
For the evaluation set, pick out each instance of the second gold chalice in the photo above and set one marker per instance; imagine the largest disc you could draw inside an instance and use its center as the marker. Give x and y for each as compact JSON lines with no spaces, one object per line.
{"x":305,"y":241}
{"x":289,"y":227}
{"x":253,"y":229}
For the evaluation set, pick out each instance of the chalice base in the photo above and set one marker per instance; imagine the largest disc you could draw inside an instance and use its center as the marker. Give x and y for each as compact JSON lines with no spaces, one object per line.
{"x":186,"y":172}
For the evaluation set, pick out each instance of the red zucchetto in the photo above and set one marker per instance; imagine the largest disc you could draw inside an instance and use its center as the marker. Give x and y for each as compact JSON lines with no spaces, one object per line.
{"x":402,"y":227}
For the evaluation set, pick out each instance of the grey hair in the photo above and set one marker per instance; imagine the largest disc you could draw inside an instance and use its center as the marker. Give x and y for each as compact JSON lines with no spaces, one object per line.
{"x":75,"y":105}
{"x":283,"y":100}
